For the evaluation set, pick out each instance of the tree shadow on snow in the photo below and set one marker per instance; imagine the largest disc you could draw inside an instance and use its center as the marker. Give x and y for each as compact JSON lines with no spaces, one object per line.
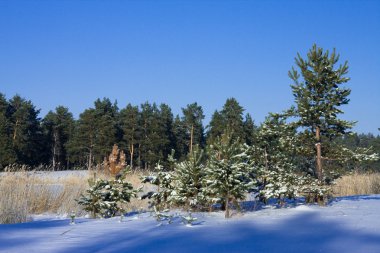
{"x":255,"y":205}
{"x":357,"y":198}
{"x":11,"y":238}
{"x":306,"y":233}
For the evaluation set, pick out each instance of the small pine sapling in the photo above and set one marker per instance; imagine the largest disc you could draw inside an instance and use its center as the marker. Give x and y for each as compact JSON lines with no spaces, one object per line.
{"x":162,"y":215}
{"x":72,"y":218}
{"x":106,"y":198}
{"x":228,"y":171}
{"x":189,"y":219}
{"x":163,"y":180}
{"x":189,"y":180}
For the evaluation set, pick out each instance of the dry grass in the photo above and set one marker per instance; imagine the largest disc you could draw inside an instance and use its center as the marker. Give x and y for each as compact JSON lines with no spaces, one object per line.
{"x":357,"y":184}
{"x":24,"y":193}
{"x":135,"y":179}
{"x":14,"y":199}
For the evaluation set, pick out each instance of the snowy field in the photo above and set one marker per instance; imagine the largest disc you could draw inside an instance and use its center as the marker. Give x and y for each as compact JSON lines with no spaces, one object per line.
{"x":350,"y":224}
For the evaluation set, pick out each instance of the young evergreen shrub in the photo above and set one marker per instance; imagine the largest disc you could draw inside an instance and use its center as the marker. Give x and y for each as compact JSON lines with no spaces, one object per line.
{"x":107,"y":198}
{"x":228,"y":171}
{"x":163,"y":180}
{"x":273,"y":154}
{"x":189,"y":181}
{"x":280,"y":184}
{"x":315,"y":192}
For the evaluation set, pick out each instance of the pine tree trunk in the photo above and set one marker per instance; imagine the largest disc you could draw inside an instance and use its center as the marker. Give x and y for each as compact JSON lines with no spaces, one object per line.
{"x":15,"y":132}
{"x":227,"y":213}
{"x":319,"y":155}
{"x":266,"y":158}
{"x":54,"y":149}
{"x":90,"y":160}
{"x":191,"y":138}
{"x":131,"y":152}
{"x":139,"y":157}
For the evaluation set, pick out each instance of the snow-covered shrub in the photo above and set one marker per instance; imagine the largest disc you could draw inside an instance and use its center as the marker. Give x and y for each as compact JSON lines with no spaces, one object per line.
{"x":163,"y":180}
{"x":280,"y":184}
{"x":106,"y":198}
{"x":315,"y":192}
{"x":354,"y":159}
{"x":189,"y":180}
{"x":228,"y":172}
{"x":273,"y":154}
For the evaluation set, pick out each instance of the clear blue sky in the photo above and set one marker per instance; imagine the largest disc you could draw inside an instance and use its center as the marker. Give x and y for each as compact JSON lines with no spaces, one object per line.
{"x":72,"y":52}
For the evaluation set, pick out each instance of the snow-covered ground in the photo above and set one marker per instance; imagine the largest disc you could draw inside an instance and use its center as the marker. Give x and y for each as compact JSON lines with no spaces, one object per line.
{"x":350,"y":224}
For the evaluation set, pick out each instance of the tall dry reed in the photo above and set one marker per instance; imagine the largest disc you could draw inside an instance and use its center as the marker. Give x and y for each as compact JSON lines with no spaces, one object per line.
{"x":357,"y":184}
{"x":14,"y":198}
{"x":24,"y":193}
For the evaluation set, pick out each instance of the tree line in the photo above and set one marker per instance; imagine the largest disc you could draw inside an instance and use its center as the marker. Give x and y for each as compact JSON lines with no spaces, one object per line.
{"x":148,"y":133}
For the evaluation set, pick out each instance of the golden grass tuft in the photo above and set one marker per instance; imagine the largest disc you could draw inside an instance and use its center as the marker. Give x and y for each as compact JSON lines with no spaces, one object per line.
{"x":357,"y":184}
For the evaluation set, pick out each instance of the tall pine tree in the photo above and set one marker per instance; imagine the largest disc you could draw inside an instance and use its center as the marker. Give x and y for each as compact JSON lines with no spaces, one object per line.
{"x":129,"y":117}
{"x":107,"y":118}
{"x":26,"y":133}
{"x":181,"y":138}
{"x":215,"y":128}
{"x":58,"y":127}
{"x":150,"y":135}
{"x":81,"y":146}
{"x":229,"y":119}
{"x":249,"y":129}
{"x":95,"y":133}
{"x":7,"y":156}
{"x":318,"y":95}
{"x":166,"y":136}
{"x":192,"y":117}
